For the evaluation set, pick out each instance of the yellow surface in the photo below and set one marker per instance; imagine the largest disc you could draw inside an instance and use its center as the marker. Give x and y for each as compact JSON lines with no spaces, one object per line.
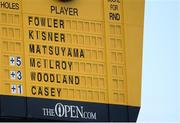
{"x":73,"y":50}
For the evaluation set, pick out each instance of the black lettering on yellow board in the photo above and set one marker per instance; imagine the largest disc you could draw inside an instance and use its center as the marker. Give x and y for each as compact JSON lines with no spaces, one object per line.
{"x":45,"y":22}
{"x":114,"y":1}
{"x":56,"y":50}
{"x":45,"y":91}
{"x":55,"y":78}
{"x":114,"y":7}
{"x":47,"y":36}
{"x":51,"y":64}
{"x":9,"y":5}
{"x":64,"y":11}
{"x":114,"y":16}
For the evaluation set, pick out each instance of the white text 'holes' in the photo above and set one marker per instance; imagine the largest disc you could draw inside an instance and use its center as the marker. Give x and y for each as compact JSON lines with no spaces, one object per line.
{"x":15,"y":61}
{"x":16,"y":89}
{"x":16,"y":75}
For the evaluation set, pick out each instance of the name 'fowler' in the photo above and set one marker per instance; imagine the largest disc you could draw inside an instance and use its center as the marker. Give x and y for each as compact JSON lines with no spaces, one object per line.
{"x":45,"y":22}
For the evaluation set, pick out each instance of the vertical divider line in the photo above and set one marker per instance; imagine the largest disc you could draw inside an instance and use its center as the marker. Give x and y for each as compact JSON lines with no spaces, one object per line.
{"x":107,"y":62}
{"x":0,"y":62}
{"x":125,"y":69}
{"x":24,"y":59}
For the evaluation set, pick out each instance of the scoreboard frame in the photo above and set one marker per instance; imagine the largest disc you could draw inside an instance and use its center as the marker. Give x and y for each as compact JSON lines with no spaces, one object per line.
{"x":71,"y":60}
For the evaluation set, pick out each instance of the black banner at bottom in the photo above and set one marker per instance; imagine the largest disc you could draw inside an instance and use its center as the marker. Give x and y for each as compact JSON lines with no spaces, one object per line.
{"x":38,"y":109}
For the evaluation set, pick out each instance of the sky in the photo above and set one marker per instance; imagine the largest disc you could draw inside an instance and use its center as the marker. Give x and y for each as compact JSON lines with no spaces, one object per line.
{"x":161,"y":62}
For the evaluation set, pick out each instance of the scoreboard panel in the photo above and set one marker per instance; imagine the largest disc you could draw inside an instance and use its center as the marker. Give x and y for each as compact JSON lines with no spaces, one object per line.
{"x":77,"y":60}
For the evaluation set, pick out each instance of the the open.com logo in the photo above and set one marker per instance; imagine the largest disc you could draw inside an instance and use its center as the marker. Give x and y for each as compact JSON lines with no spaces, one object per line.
{"x":73,"y":111}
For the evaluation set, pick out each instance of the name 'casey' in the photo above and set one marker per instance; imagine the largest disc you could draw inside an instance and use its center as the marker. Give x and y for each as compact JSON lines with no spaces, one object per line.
{"x":56,"y":50}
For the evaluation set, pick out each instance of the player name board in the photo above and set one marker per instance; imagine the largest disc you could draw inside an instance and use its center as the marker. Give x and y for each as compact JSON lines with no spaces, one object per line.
{"x":71,"y":60}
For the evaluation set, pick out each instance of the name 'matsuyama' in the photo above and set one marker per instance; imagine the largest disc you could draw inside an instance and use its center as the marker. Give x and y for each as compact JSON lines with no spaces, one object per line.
{"x":56,"y":50}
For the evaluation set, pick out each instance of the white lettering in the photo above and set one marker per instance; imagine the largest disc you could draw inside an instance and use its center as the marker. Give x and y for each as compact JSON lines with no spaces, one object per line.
{"x":70,"y":111}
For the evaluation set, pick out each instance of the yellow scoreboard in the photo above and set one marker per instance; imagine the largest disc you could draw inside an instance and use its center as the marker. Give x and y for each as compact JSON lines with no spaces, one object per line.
{"x":71,"y":60}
